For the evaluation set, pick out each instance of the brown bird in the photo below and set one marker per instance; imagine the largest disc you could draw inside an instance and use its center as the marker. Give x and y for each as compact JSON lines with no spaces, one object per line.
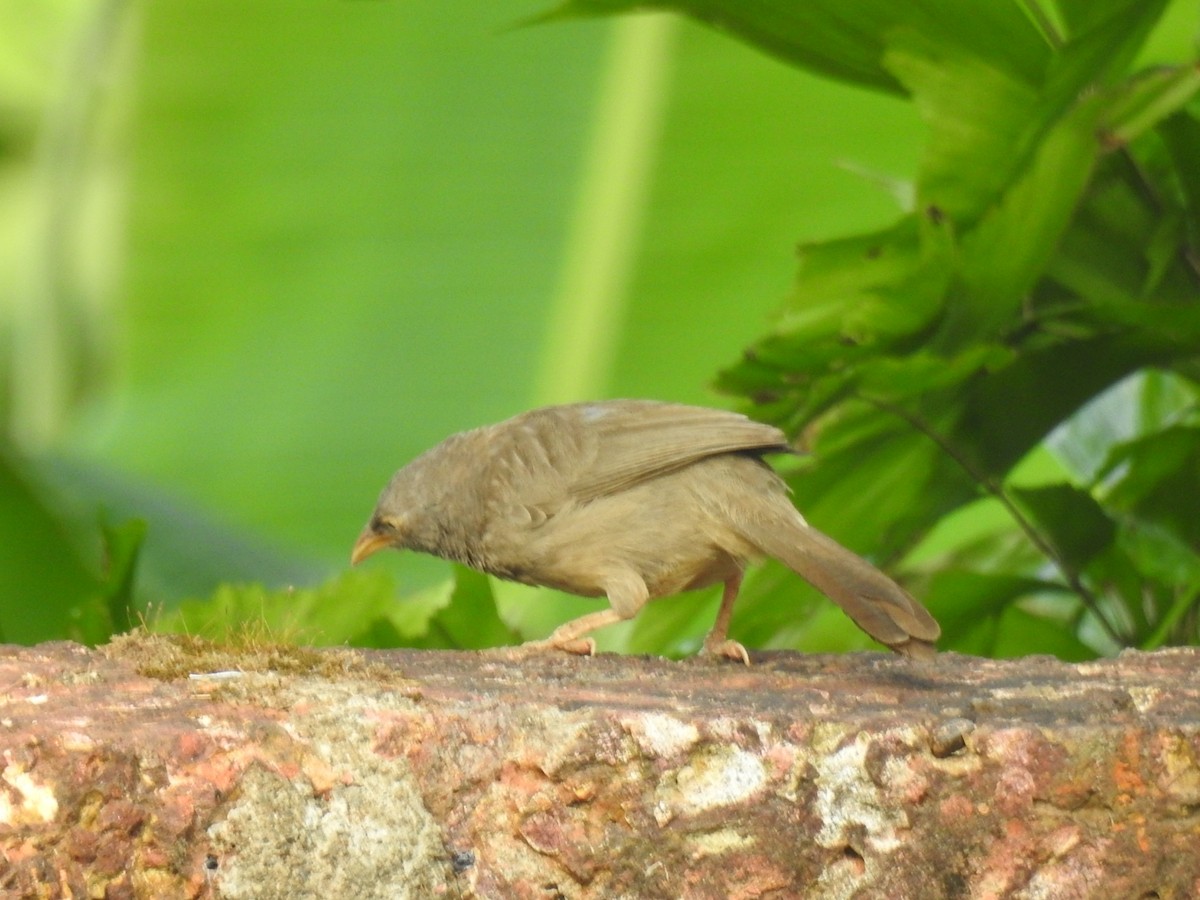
{"x":629,"y":500}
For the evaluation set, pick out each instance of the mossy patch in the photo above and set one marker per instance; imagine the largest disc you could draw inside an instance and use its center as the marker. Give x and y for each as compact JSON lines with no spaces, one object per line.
{"x":172,"y":656}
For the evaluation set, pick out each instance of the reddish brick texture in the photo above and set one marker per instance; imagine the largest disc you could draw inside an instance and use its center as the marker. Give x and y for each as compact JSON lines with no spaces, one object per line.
{"x":429,"y":774}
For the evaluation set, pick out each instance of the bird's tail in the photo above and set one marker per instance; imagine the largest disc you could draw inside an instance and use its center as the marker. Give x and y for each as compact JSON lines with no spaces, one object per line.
{"x":878,"y":605}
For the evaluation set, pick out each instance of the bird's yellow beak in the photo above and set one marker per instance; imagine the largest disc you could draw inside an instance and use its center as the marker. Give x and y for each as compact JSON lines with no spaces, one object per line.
{"x":368,"y":542}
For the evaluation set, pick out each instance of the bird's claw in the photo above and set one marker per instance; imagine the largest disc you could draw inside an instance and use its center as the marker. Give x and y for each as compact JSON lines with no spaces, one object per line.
{"x":577,"y":646}
{"x":728,"y":649}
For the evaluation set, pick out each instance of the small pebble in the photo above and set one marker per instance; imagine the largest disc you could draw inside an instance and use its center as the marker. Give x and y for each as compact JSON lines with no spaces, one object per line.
{"x":949,"y":737}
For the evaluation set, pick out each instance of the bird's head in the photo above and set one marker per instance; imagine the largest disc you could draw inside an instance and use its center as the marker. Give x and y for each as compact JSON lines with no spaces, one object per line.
{"x":422,"y":502}
{"x":396,"y":516}
{"x":408,"y":514}
{"x":383,"y":530}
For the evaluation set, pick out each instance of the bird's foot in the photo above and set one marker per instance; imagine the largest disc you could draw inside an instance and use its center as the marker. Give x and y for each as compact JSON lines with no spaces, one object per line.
{"x":726,"y":648}
{"x":578,"y":646}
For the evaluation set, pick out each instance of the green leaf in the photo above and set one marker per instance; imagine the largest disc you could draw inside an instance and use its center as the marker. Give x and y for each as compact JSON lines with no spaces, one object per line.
{"x":1010,"y":410}
{"x":188,"y":551}
{"x":853,"y":300}
{"x":1186,"y":604}
{"x":808,"y":35}
{"x":962,"y":600}
{"x":1168,"y":584}
{"x":1181,"y":135}
{"x":1146,"y":101}
{"x":838,"y":279}
{"x":675,"y":626}
{"x":921,"y":373}
{"x":50,"y":588}
{"x":122,"y":546}
{"x":981,"y":613}
{"x":1151,"y":578}
{"x":1015,"y":241}
{"x":408,"y":621}
{"x":979,"y":121}
{"x":470,"y":620}
{"x":333,"y":613}
{"x":1102,"y":46}
{"x":1157,"y":479}
{"x":874,"y":482}
{"x":847,"y":41}
{"x":1143,"y":403}
{"x":1102,"y":258}
{"x":1021,"y":633}
{"x":1082,"y":16}
{"x":1071,"y":520}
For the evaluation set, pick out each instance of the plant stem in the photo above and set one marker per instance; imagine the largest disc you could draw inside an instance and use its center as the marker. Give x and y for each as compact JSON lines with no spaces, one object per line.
{"x":996,"y":490}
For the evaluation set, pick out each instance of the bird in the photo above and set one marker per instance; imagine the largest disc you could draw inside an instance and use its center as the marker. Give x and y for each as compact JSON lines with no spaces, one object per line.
{"x":630,"y":500}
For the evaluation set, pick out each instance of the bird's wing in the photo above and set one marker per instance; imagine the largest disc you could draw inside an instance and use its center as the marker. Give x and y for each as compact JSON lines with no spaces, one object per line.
{"x":605,"y":447}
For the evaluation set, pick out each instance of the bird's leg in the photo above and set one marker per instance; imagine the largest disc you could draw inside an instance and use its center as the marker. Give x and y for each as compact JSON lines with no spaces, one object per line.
{"x":717,"y":644}
{"x":570,"y":636}
{"x":627,"y":593}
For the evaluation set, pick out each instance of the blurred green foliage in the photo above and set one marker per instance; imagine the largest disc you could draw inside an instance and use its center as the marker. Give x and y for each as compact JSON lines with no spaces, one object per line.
{"x":252,"y":261}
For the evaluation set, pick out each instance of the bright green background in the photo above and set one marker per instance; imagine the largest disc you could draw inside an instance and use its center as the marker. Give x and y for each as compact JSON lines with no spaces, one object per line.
{"x":346,"y":234}
{"x":341,"y":231}
{"x":255,"y":256}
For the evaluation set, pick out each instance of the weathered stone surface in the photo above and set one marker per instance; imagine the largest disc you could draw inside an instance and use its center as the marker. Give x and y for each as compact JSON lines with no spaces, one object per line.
{"x":425,"y":774}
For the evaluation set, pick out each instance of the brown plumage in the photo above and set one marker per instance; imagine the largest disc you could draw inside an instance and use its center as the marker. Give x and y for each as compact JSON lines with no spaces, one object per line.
{"x":629,"y":500}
